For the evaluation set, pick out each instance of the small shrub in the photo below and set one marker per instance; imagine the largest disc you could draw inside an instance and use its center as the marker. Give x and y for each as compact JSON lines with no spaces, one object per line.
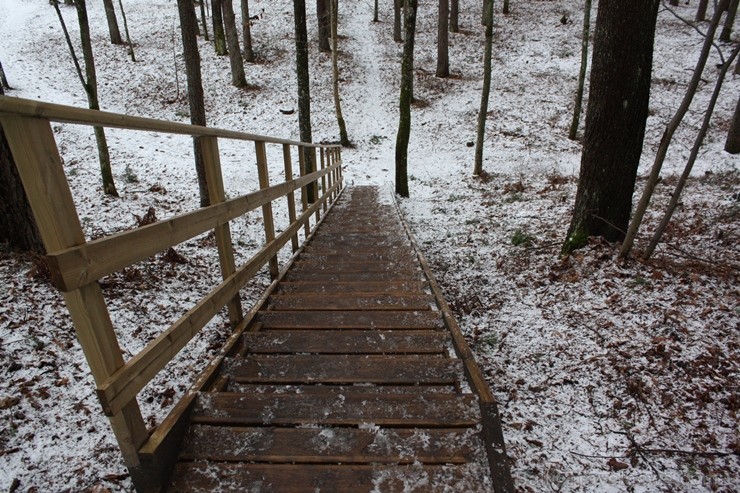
{"x":522,"y":238}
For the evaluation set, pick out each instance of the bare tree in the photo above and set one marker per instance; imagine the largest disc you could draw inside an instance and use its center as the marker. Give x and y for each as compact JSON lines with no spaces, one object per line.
{"x":110,"y":15}
{"x":334,"y":14}
{"x":247,"y":32}
{"x":219,"y":36}
{"x":443,"y":39}
{"x":485,"y":92}
{"x":732,"y":144}
{"x":407,"y":76}
{"x":729,"y":21}
{"x":203,"y":19}
{"x":582,"y":73}
{"x":3,"y":79}
{"x":322,"y":13}
{"x":701,"y":10}
{"x":505,"y":9}
{"x":128,"y":36}
{"x":397,"y":21}
{"x":375,"y":12}
{"x":304,"y":87}
{"x":455,"y":16}
{"x":238,"y":78}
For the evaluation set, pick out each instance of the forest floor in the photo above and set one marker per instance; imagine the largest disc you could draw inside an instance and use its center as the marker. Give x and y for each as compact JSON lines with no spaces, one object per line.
{"x":610,"y":376}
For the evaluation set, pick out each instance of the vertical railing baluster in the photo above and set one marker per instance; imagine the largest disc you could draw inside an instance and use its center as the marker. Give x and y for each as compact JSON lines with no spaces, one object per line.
{"x":267,"y":218}
{"x":304,"y":190}
{"x":290,"y":195}
{"x":315,"y":186}
{"x":323,"y":178}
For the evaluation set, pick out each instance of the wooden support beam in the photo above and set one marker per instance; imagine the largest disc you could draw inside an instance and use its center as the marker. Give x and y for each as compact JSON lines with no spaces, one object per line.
{"x":304,"y":190}
{"x":323,"y":178}
{"x":267,"y":217}
{"x":290,"y":195}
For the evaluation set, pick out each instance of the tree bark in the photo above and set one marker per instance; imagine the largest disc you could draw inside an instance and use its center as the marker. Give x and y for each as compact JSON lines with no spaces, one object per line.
{"x":304,"y":88}
{"x":219,"y":36}
{"x":732,"y":144}
{"x":238,"y":78}
{"x":572,"y":134}
{"x":505,"y":9}
{"x":189,"y":29}
{"x":17,"y":224}
{"x":375,"y":12}
{"x":665,"y":141}
{"x":454,"y":16}
{"x":615,"y":120}
{"x":3,"y":80}
{"x":483,"y":112}
{"x":322,"y":13}
{"x":701,"y":10}
{"x":247,"y":32}
{"x":397,"y":21}
{"x":203,"y":19}
{"x":729,"y":21}
{"x":110,"y":15}
{"x":404,"y":125}
{"x":128,"y":36}
{"x":334,"y":14}
{"x":443,"y":39}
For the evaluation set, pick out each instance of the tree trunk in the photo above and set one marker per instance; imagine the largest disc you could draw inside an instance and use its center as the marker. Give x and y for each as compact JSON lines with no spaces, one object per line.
{"x":665,"y":141}
{"x":673,"y":3}
{"x":238,"y":78}
{"x":91,"y":88}
{"x":454,"y":16}
{"x":732,"y":144}
{"x":219,"y":36}
{"x":110,"y":15}
{"x":322,"y":13}
{"x":128,"y":36}
{"x":247,"y":32}
{"x":397,"y":21}
{"x":3,"y":80}
{"x":505,"y":9}
{"x":615,"y":120}
{"x":203,"y":19}
{"x":189,"y":29}
{"x":483,"y":112}
{"x":729,"y":21}
{"x":334,"y":14}
{"x":407,"y":76}
{"x":304,"y":88}
{"x":701,"y":10}
{"x":17,"y":224}
{"x":375,"y":12}
{"x":443,"y":39}
{"x":582,"y":74}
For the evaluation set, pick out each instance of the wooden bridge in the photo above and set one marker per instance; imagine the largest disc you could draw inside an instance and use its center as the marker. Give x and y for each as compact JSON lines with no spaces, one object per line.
{"x":350,"y":373}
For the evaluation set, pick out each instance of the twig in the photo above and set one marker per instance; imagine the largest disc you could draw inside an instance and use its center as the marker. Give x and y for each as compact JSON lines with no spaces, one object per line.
{"x":692,"y":26}
{"x":693,"y":453}
{"x":600,"y":456}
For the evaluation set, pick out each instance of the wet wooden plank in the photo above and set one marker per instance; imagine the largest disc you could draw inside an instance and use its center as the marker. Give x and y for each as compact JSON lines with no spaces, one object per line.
{"x":351,"y":302}
{"x":334,"y":408}
{"x":329,"y":445}
{"x":399,"y":320}
{"x":349,"y":265}
{"x":353,"y":287}
{"x":349,"y":255}
{"x":339,"y":276}
{"x":343,"y":369}
{"x":346,"y":342}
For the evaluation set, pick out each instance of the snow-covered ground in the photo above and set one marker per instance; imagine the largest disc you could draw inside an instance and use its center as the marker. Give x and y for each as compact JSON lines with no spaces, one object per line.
{"x":610,"y":376}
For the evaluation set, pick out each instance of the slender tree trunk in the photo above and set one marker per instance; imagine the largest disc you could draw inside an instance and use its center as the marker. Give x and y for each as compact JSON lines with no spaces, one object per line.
{"x":375,"y":12}
{"x":443,"y":39}
{"x":3,"y":80}
{"x":615,"y":120}
{"x":505,"y":9}
{"x":128,"y":36}
{"x":483,"y":112}
{"x":334,"y":14}
{"x":732,"y":144}
{"x":232,"y":39}
{"x":729,"y":21}
{"x":110,"y":15}
{"x":692,"y":159}
{"x":203,"y":19}
{"x":397,"y":21}
{"x":582,"y":74}
{"x":454,"y":16}
{"x":322,"y":13}
{"x":189,"y":29}
{"x":17,"y":224}
{"x":219,"y":36}
{"x":701,"y":10}
{"x":304,"y":88}
{"x":665,"y":141}
{"x":404,"y":125}
{"x":247,"y":32}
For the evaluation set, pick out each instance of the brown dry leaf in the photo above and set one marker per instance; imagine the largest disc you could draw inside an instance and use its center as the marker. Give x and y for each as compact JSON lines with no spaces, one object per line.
{"x":615,"y":465}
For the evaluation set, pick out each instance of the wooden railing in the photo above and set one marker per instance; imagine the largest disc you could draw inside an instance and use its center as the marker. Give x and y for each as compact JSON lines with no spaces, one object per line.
{"x":76,"y":264}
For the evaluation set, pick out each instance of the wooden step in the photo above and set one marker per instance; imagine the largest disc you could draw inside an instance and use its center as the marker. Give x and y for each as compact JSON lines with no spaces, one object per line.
{"x":339,"y":276}
{"x":343,"y":369}
{"x":329,"y":445}
{"x":346,"y":342}
{"x":333,"y":408}
{"x":364,"y":388}
{"x":349,"y":265}
{"x":338,"y":258}
{"x":365,"y":302}
{"x":356,"y":287}
{"x":398,"y":320}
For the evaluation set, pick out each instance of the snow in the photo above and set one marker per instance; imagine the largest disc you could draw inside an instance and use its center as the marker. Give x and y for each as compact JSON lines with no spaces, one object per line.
{"x":590,"y":360}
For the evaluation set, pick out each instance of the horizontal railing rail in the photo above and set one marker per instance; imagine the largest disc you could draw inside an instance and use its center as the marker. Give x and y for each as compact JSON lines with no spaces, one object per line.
{"x":77,"y":264}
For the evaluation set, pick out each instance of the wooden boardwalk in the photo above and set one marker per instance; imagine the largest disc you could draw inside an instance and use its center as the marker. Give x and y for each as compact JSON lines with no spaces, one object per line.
{"x":348,"y":380}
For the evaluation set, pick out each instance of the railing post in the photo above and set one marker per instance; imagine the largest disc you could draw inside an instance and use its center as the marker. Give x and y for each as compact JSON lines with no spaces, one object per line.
{"x":304,"y":189}
{"x":323,"y":178}
{"x":264,"y":179}
{"x":315,"y":185}
{"x":40,"y":168}
{"x":330,"y":176}
{"x":215,"y":182}
{"x":291,"y":195}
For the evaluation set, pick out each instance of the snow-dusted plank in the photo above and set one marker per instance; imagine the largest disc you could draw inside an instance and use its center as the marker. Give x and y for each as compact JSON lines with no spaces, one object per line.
{"x":351,"y":302}
{"x":347,"y":264}
{"x":356,"y":287}
{"x":346,"y":342}
{"x":402,"y":320}
{"x":253,"y":388}
{"x":338,"y":275}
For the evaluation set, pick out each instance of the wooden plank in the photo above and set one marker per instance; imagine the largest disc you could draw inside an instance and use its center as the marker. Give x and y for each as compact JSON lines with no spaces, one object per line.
{"x":251,"y":388}
{"x":366,"y":287}
{"x":329,"y":445}
{"x":363,"y":302}
{"x":328,"y":276}
{"x":205,"y":477}
{"x":400,"y":320}
{"x":77,"y":266}
{"x":336,"y":409}
{"x":348,"y":265}
{"x":346,"y":342}
{"x":343,"y":369}
{"x":267,"y":219}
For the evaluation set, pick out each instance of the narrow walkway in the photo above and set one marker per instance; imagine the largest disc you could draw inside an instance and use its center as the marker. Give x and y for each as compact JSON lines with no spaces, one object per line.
{"x":348,"y":380}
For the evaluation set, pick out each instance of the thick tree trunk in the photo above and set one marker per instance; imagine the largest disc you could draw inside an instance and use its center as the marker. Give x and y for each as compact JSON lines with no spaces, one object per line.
{"x":17,"y":224}
{"x":701,"y":10}
{"x":407,"y":76}
{"x":572,"y":134}
{"x":219,"y":36}
{"x":732,"y":144}
{"x":443,"y":39}
{"x":397,"y":21}
{"x":322,"y":13}
{"x":247,"y":32}
{"x":483,"y":112}
{"x":110,"y":15}
{"x":615,"y":120}
{"x":455,"y":16}
{"x":334,"y":14}
{"x":304,"y":88}
{"x":189,"y":29}
{"x":232,"y":38}
{"x":729,"y":21}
